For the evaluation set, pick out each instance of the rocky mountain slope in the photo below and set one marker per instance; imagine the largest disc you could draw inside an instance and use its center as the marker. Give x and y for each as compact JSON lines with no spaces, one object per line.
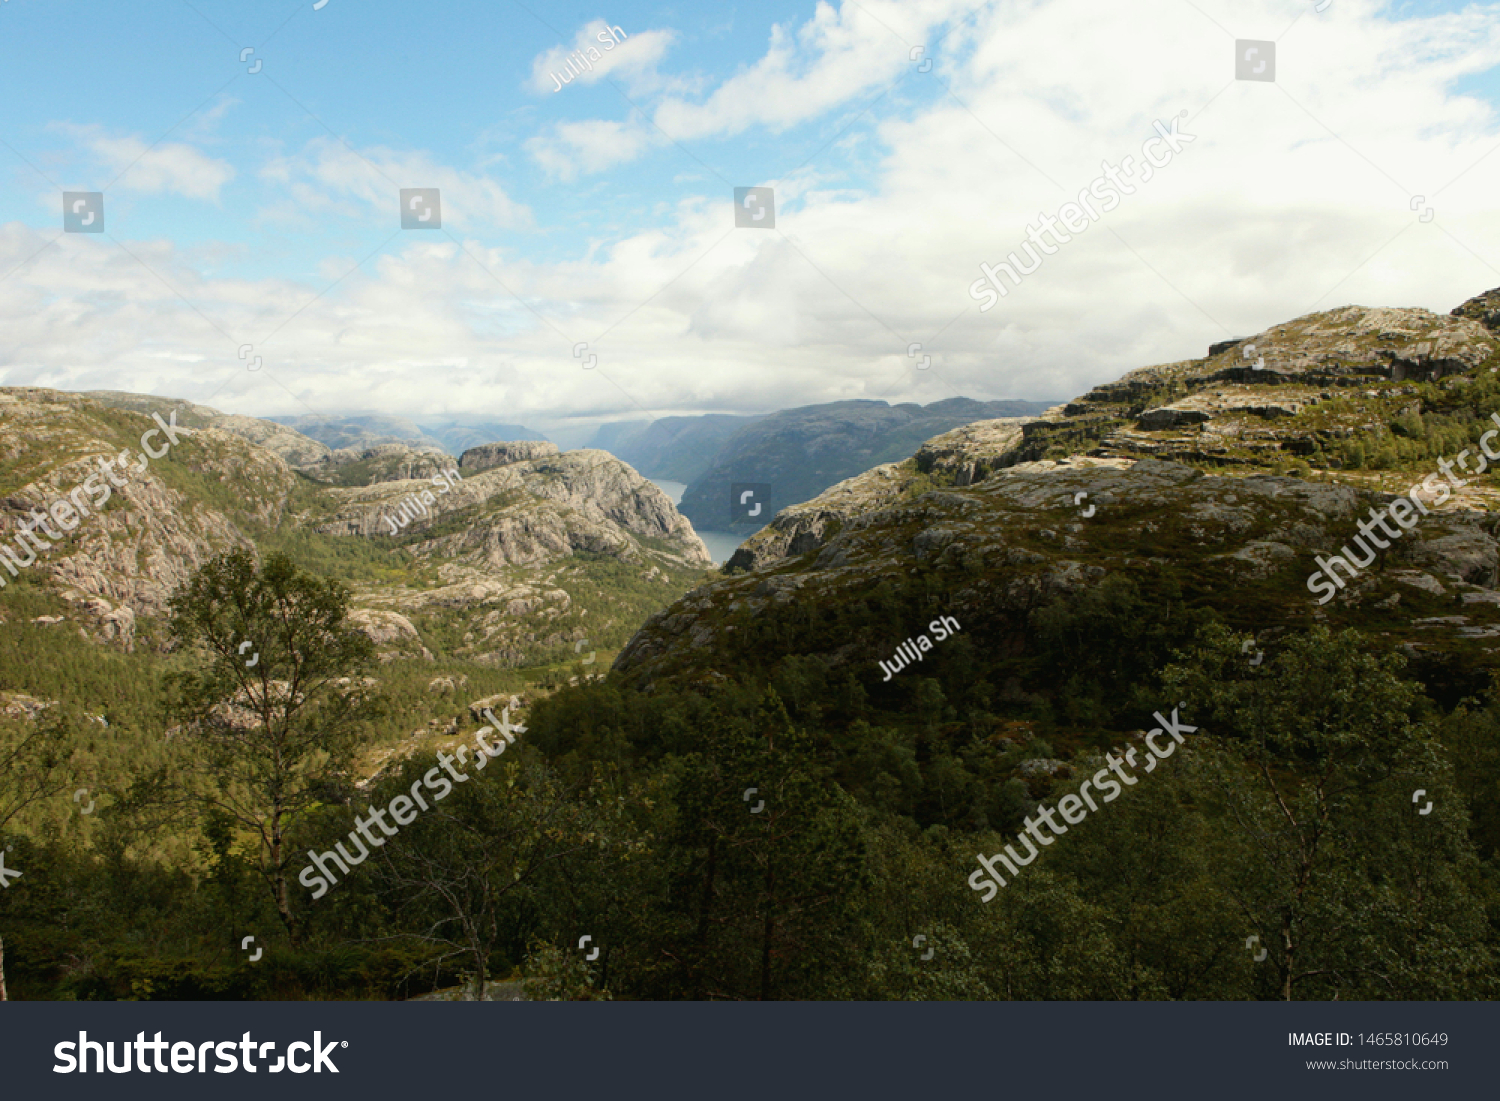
{"x":500,"y":534}
{"x":1221,"y":480}
{"x":295,"y":449}
{"x":511,"y":551}
{"x":350,"y":451}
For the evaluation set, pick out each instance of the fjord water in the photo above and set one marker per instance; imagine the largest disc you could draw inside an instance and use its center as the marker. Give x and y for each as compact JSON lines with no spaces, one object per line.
{"x":720,"y":544}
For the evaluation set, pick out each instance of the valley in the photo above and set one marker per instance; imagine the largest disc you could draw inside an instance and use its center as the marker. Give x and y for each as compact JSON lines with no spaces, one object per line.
{"x":1135,"y":545}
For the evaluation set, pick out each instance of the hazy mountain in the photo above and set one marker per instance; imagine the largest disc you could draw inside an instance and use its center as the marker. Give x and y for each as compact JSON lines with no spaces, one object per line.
{"x":453,"y":434}
{"x":675,"y":448}
{"x":798,"y":453}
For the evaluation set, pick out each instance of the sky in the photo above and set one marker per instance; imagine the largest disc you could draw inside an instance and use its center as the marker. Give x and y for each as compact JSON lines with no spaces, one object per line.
{"x":588,"y":266}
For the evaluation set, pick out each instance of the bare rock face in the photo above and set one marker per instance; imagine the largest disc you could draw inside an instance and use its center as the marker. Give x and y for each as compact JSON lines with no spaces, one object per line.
{"x":384,"y":628}
{"x":806,"y":527}
{"x":490,"y":455}
{"x":492,"y":704}
{"x":385,"y":462}
{"x":1483,"y":308}
{"x":131,"y":551}
{"x":18,"y":705}
{"x":971,"y":453}
{"x":108,"y":623}
{"x":1460,"y":553}
{"x":1205,"y":406}
{"x":1171,"y":416}
{"x":524,"y":513}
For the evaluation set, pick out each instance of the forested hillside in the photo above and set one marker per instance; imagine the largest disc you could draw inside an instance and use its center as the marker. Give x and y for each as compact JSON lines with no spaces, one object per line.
{"x":1056,"y":708}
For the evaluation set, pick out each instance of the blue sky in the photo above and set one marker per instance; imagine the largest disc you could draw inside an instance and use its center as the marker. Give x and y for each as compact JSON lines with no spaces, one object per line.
{"x":261,"y":208}
{"x":450,"y":79}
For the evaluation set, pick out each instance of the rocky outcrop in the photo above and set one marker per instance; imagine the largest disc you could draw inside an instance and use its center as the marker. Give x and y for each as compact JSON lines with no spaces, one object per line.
{"x":971,"y":453}
{"x":386,"y":462}
{"x":1483,"y":308}
{"x":1181,"y":468}
{"x":490,"y":455}
{"x":1028,"y":534}
{"x":18,"y":705}
{"x":500,"y":541}
{"x":384,"y":628}
{"x":803,"y":528}
{"x":523,"y":513}
{"x":1171,"y":416}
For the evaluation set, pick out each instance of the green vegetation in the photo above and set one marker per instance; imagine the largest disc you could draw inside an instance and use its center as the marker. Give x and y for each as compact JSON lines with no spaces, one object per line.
{"x":759,"y":818}
{"x":275,"y":734}
{"x":628,"y":816}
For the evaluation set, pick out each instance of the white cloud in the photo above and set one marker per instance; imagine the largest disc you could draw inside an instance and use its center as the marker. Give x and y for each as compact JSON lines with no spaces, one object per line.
{"x":590,"y":146}
{"x":328,"y":177}
{"x":1293,"y":197}
{"x":830,"y":60}
{"x":160,"y":169}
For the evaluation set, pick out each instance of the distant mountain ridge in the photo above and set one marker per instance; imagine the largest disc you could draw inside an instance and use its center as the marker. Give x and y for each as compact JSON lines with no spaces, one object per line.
{"x":799,"y":453}
{"x":679,"y":449}
{"x":451,"y":433}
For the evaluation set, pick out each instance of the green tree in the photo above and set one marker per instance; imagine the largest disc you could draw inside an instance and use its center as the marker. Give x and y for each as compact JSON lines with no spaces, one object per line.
{"x":465,"y":875}
{"x":275,"y":733}
{"x":767,"y":883}
{"x":1311,"y":760}
{"x":1150,"y":861}
{"x":33,"y":752}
